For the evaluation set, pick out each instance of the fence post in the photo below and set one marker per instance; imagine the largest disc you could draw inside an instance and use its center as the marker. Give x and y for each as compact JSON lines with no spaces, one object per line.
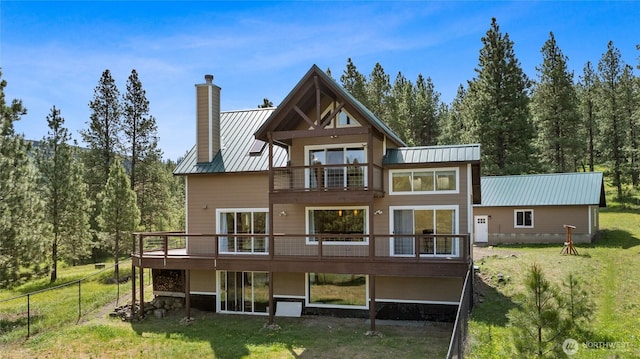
{"x":28,"y":315}
{"x":79,"y":301}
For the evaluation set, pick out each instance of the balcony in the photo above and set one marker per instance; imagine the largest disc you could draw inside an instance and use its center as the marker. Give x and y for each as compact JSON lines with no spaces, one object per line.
{"x":438,"y":255}
{"x":352,"y":180}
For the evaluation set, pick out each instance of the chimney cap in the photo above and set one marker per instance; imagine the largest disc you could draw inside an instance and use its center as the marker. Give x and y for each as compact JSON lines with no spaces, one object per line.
{"x":208,"y":78}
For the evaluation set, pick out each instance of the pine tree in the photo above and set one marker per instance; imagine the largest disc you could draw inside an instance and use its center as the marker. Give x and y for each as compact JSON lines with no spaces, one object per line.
{"x":355,"y":83}
{"x":453,"y":128}
{"x":103,"y":139}
{"x":176,"y":197}
{"x":555,"y":111}
{"x":613,"y":127}
{"x":587,"y":92}
{"x":579,"y":306}
{"x":401,"y":109}
{"x":537,"y":323}
{"x":21,"y":223}
{"x":103,"y":135}
{"x":65,"y":192}
{"x":497,"y":101}
{"x":378,"y":90}
{"x":153,"y":196}
{"x":426,"y":121}
{"x":266,"y":103}
{"x":120,"y":215}
{"x":629,"y":96}
{"x":139,"y":128}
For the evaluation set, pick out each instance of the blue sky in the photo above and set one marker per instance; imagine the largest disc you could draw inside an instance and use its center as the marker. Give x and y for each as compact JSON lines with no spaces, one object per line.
{"x":53,"y":53}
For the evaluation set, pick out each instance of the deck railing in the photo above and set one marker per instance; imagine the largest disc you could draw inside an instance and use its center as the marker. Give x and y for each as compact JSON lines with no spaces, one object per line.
{"x":320,"y":246}
{"x":327,"y":178}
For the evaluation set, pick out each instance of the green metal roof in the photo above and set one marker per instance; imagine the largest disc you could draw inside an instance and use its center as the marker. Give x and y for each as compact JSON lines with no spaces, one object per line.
{"x":556,"y":189}
{"x":432,"y":154}
{"x":236,"y":130}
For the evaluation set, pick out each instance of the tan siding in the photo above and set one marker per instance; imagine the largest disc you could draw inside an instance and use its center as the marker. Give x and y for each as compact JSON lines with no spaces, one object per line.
{"x":202,"y":114}
{"x":210,"y":192}
{"x":419,"y":288}
{"x":548,"y":223}
{"x":203,"y":281}
{"x":288,"y":284}
{"x":378,"y":151}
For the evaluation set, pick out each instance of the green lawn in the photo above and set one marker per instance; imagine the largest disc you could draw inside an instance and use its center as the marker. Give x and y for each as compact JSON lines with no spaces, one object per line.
{"x":609,"y":269}
{"x":55,"y":333}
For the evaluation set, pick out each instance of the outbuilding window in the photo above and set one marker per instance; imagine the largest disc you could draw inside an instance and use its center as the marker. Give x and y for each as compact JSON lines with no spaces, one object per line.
{"x":523,"y":218}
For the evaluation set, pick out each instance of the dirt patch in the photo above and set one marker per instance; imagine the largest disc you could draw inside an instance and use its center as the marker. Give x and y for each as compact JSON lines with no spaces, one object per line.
{"x":489,"y":251}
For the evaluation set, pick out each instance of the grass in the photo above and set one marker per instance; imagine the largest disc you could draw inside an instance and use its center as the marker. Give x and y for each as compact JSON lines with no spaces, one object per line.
{"x":58,"y":307}
{"x":211,"y":335}
{"x":609,"y":269}
{"x":233,"y":336}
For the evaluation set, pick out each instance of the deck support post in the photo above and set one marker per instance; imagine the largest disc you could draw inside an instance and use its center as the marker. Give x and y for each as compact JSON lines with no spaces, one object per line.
{"x":187,"y":292}
{"x":372,"y":302}
{"x":272,"y":307}
{"x":133,"y":289}
{"x":372,"y":254}
{"x":141,"y":292}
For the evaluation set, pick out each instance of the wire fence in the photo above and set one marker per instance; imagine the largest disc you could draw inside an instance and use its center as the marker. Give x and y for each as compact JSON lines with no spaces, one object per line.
{"x":54,"y":307}
{"x":459,"y":335}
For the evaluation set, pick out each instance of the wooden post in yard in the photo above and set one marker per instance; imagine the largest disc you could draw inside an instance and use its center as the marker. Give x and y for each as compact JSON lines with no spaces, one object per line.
{"x":568,"y":245}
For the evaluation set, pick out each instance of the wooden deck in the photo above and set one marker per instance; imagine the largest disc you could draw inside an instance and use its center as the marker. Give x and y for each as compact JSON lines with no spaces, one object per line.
{"x":294,"y":253}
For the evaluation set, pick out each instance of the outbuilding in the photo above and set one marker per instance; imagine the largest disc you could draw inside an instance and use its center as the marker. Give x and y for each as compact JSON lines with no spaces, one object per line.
{"x":536,"y":208}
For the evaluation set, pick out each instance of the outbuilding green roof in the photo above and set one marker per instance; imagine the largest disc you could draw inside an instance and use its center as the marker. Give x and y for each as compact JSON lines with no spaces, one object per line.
{"x":236,"y":130}
{"x":556,"y":189}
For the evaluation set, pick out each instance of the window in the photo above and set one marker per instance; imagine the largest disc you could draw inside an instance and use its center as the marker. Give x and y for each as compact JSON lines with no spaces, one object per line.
{"x":342,"y":119}
{"x":341,"y":166}
{"x":424,"y":181}
{"x":523,"y":218}
{"x":243,"y":224}
{"x":337,"y":290}
{"x":348,"y":224}
{"x":424,"y":222}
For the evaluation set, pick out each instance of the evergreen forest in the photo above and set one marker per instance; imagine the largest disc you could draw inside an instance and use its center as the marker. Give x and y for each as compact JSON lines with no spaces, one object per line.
{"x":62,"y":202}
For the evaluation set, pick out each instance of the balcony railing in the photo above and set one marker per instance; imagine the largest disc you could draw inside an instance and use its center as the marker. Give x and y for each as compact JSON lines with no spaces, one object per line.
{"x":327,"y":177}
{"x":432,"y":247}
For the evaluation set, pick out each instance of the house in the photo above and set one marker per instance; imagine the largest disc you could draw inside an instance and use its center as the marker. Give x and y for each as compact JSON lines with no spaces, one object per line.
{"x":315,"y":206}
{"x":536,"y":208}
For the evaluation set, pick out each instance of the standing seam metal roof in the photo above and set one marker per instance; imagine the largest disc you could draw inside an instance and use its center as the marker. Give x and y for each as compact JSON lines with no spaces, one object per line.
{"x":432,"y":154}
{"x":236,"y":129}
{"x":583,"y":188}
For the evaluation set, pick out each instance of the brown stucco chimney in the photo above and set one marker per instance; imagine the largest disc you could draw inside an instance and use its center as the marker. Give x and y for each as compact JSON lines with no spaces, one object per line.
{"x":207,"y":119}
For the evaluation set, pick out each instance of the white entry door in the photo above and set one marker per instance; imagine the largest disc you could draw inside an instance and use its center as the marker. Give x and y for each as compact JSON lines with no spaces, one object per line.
{"x":481,"y":229}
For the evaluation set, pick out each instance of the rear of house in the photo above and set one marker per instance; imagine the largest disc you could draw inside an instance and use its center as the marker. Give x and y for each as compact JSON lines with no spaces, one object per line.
{"x":536,"y":208}
{"x":316,"y":206}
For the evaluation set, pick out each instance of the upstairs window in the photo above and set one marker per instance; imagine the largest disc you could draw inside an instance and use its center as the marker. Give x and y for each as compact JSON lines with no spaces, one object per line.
{"x":425,"y":181}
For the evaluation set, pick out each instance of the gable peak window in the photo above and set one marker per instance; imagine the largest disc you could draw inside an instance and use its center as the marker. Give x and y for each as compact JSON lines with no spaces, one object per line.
{"x":342,"y":119}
